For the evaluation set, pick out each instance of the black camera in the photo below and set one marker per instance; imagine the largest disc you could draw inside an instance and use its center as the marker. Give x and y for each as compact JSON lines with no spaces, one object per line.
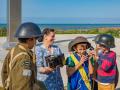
{"x":54,"y":61}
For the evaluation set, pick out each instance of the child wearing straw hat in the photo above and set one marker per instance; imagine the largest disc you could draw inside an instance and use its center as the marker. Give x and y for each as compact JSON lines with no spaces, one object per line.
{"x":78,"y":65}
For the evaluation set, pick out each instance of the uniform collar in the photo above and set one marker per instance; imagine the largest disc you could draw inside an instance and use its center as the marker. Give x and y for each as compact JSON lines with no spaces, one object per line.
{"x":22,"y":47}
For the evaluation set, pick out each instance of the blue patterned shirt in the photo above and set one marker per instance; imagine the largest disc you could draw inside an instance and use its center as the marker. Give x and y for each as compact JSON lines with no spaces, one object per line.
{"x":53,"y":80}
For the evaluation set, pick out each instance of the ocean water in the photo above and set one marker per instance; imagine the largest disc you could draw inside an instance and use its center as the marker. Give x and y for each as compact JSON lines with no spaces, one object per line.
{"x":73,"y":26}
{"x":77,"y":26}
{"x":3,"y":25}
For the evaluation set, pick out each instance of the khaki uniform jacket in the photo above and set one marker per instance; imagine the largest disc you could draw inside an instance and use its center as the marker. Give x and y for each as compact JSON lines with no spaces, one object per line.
{"x":22,"y":75}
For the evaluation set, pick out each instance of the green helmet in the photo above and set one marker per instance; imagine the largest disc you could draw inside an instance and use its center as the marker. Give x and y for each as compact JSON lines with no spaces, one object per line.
{"x":106,"y":40}
{"x":28,"y":30}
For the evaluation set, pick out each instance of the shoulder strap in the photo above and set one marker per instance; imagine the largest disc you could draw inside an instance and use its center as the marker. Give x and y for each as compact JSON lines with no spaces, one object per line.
{"x":82,"y":72}
{"x":15,"y":58}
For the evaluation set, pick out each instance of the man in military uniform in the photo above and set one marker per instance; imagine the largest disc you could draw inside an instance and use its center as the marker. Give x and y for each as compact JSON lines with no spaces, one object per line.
{"x":18,"y":72}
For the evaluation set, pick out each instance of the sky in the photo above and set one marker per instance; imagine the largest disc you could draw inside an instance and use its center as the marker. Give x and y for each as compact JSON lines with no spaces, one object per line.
{"x":67,"y":11}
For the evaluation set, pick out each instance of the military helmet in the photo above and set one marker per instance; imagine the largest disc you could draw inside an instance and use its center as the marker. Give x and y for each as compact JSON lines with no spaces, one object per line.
{"x":106,"y":40}
{"x":96,"y":39}
{"x":78,"y":40}
{"x":28,"y":30}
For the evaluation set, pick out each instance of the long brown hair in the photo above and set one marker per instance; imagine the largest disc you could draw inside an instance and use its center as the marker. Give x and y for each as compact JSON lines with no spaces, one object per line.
{"x":46,"y":31}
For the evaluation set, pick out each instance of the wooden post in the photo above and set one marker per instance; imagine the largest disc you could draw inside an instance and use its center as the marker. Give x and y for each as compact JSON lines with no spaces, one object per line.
{"x":13,"y":21}
{"x":14,"y":18}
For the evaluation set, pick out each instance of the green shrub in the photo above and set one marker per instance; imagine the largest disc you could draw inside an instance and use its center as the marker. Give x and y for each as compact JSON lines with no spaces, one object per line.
{"x":3,"y":31}
{"x":113,"y":32}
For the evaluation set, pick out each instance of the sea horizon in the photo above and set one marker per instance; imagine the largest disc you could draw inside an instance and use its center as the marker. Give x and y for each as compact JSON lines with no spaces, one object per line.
{"x":73,"y":26}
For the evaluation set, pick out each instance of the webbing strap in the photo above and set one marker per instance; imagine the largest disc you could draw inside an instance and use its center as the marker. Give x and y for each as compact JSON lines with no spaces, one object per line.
{"x":82,"y":72}
{"x":12,"y":60}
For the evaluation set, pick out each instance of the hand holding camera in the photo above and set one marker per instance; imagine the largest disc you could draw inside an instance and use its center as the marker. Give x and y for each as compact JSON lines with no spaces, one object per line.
{"x":55,"y":61}
{"x":48,"y":69}
{"x":83,"y":59}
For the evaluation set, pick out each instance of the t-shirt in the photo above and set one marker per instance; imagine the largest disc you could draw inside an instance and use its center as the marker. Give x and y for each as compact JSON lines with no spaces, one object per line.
{"x":106,"y":71}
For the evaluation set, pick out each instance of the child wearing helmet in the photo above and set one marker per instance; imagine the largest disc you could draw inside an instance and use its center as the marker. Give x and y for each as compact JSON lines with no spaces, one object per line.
{"x":78,"y":65}
{"x":106,"y":59}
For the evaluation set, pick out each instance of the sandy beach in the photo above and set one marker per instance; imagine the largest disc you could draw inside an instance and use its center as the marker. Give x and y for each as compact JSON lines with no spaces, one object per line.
{"x":64,"y":48}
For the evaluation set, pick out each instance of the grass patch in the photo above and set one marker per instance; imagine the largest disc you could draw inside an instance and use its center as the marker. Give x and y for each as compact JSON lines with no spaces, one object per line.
{"x":113,"y":31}
{"x":3,"y":31}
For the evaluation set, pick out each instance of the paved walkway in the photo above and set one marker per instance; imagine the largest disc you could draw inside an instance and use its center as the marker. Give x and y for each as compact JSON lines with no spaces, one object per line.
{"x":63,"y":46}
